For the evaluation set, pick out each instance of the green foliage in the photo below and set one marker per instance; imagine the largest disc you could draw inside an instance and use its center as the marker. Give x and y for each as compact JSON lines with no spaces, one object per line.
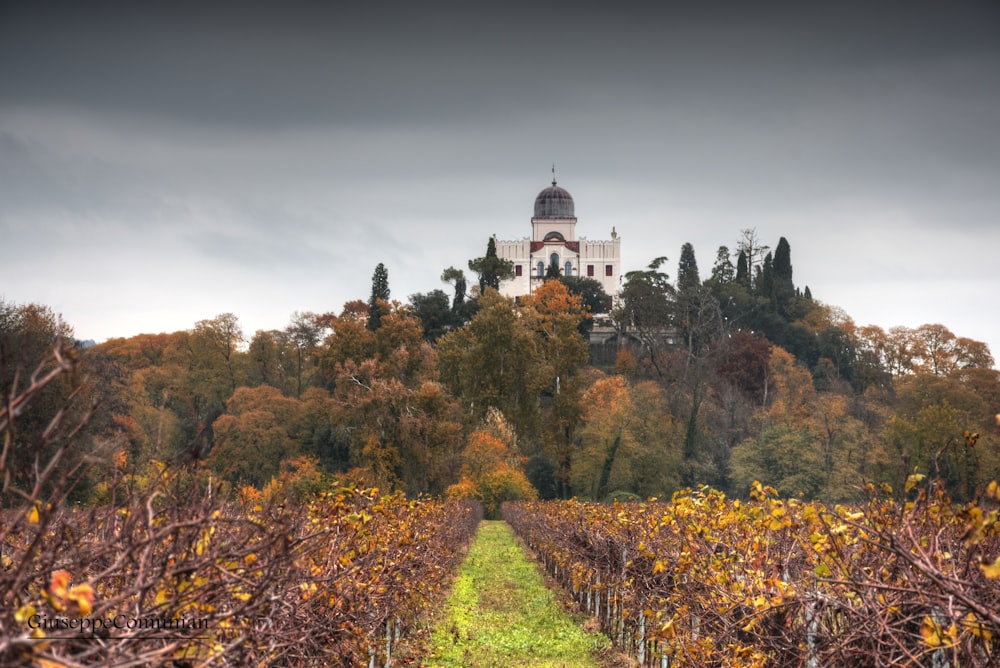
{"x":435,"y":313}
{"x":788,"y":460}
{"x":379,"y":296}
{"x":591,"y":292}
{"x":495,"y":361}
{"x":491,"y":269}
{"x":687,"y":269}
{"x":625,"y":444}
{"x":34,"y":346}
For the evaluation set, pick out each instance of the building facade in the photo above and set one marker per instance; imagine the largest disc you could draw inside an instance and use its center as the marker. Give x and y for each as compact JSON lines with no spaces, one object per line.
{"x":553,"y":241}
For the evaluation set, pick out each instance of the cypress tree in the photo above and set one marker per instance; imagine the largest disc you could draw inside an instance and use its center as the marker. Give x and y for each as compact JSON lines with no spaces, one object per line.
{"x":781,"y":268}
{"x":782,"y":264}
{"x":491,"y":269}
{"x":764,"y":285}
{"x":380,"y":291}
{"x":687,"y":269}
{"x":723,"y":272}
{"x":742,"y":270}
{"x":552,"y":271}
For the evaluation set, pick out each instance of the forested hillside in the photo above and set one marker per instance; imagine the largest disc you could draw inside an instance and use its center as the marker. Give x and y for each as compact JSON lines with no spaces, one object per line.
{"x":719,"y":381}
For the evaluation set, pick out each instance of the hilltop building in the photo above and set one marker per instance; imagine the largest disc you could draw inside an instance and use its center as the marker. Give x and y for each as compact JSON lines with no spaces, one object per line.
{"x":553,"y":241}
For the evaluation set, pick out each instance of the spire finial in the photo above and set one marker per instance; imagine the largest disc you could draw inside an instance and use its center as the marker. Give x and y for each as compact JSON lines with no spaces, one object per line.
{"x":553,"y":173}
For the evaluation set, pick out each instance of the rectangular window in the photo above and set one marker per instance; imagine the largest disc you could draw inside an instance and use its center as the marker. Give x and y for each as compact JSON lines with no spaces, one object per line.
{"x":517,"y":270}
{"x":609,"y":270}
{"x":590,"y":270}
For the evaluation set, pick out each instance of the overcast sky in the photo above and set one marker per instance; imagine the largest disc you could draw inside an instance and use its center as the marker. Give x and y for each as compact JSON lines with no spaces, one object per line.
{"x":162,"y":163}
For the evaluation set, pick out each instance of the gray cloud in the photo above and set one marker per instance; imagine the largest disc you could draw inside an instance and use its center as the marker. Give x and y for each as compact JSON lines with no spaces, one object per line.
{"x":186,"y":159}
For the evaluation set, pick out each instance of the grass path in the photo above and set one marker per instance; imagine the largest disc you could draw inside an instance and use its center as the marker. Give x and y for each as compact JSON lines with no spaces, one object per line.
{"x":500,"y":613}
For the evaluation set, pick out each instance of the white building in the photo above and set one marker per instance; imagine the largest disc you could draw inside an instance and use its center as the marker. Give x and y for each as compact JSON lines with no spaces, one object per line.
{"x":553,"y":241}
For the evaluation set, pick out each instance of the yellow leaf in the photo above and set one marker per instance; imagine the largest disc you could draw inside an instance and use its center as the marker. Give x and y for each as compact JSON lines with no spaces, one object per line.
{"x":976,"y":627}
{"x":83,"y":596}
{"x":658,"y":567}
{"x":993,"y":491}
{"x":931,"y":632}
{"x":992,"y":571}
{"x":24,"y":613}
{"x":913,"y":480}
{"x":33,"y":515}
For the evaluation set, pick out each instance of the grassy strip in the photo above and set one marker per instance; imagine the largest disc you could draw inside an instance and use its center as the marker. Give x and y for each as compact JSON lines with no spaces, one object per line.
{"x":500,"y":613}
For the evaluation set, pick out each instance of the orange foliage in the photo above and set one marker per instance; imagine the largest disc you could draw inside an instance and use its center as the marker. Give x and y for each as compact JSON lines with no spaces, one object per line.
{"x":491,"y":472}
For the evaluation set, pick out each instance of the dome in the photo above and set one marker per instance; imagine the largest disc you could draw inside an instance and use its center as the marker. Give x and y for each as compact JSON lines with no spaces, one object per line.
{"x":554,"y":202}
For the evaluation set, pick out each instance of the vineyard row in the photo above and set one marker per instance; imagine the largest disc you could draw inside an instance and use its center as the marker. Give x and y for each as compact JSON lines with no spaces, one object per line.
{"x":166,"y":581}
{"x":708,"y":581}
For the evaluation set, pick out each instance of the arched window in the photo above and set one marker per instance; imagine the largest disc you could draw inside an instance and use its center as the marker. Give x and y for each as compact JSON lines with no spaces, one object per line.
{"x":569,"y":268}
{"x":541,"y":268}
{"x":554,"y":259}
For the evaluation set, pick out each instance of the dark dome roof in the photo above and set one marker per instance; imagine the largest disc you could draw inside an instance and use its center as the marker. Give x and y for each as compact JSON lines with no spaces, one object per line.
{"x":554,"y":202}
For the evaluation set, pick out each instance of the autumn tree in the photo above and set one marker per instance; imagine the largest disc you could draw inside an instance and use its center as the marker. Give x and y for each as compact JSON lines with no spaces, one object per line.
{"x":398,"y":427}
{"x":607,"y":414}
{"x":320,"y":436}
{"x":215,"y":370}
{"x":159,"y":398}
{"x":268,"y":356}
{"x":31,"y":334}
{"x":738,"y":388}
{"x":783,"y":457}
{"x":255,"y":434}
{"x":349,"y":338}
{"x":304,"y":333}
{"x":492,"y":467}
{"x":810,"y":444}
{"x":700,"y":332}
{"x":628,"y":441}
{"x":592,"y":296}
{"x":219,"y":339}
{"x":554,"y":315}
{"x":931,"y":432}
{"x":495,"y":361}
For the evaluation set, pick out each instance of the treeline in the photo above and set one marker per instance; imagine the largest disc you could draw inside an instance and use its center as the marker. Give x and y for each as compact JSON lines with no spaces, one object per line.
{"x":172,"y":573}
{"x":721,"y":381}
